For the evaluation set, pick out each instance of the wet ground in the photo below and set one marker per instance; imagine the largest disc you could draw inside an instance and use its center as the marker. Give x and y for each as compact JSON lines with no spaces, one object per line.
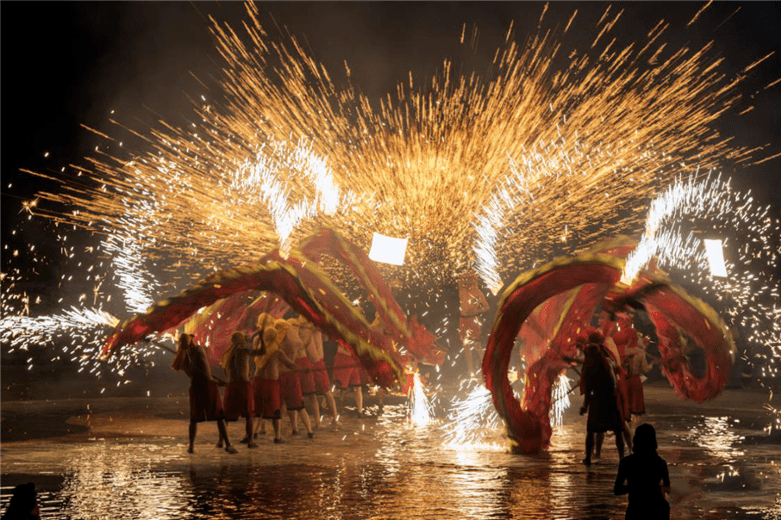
{"x":126,"y":458}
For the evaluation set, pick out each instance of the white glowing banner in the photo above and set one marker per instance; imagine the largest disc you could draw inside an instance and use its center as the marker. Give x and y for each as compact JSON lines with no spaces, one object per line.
{"x":715,"y":258}
{"x":388,"y":250}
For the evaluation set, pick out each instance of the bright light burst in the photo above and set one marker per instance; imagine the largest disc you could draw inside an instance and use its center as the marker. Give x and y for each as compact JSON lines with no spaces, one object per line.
{"x":420,"y":410}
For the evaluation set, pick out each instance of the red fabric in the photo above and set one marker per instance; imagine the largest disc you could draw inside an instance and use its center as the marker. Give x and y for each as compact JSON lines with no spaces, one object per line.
{"x":205,"y":402}
{"x":290,"y":390}
{"x":469,"y":328}
{"x":595,"y":277}
{"x":320,"y":374}
{"x":307,"y":378}
{"x":239,"y":400}
{"x":529,"y":427}
{"x":622,"y":397}
{"x":672,"y":311}
{"x":636,"y":397}
{"x":345,"y":371}
{"x":305,"y":287}
{"x":409,"y":334}
{"x":363,"y":375}
{"x":268,"y":400}
{"x":625,"y":334}
{"x":214,"y":324}
{"x":542,"y":326}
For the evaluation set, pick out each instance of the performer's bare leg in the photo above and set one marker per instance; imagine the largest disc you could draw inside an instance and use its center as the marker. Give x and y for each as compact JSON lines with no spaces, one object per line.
{"x":359,"y":400}
{"x":293,"y":416}
{"x":470,"y":367}
{"x":620,"y":444}
{"x":277,"y":424}
{"x":589,"y":448}
{"x":381,"y":399}
{"x":193,"y":430}
{"x":248,"y":430}
{"x":224,"y":436}
{"x":314,"y":404}
{"x":598,"y":446}
{"x":260,"y":427}
{"x":307,"y":422}
{"x":329,"y":397}
{"x":627,"y":436}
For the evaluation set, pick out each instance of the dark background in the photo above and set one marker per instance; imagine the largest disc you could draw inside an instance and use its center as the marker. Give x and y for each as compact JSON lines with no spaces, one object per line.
{"x":67,"y":64}
{"x":64,"y":64}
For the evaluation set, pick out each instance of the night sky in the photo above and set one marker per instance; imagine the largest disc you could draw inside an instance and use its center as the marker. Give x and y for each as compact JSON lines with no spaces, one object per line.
{"x":66,"y":64}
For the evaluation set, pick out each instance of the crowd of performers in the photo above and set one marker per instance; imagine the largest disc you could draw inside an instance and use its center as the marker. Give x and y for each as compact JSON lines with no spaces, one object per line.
{"x":278,"y":370}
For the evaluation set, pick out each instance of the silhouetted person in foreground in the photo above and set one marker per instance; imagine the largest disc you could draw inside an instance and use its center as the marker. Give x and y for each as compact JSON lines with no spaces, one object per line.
{"x":24,"y":504}
{"x":646,"y":477}
{"x":600,"y":399}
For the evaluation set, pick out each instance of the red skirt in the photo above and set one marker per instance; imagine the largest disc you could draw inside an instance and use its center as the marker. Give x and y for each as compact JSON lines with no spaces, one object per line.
{"x":346,"y":371}
{"x":307,"y":378}
{"x":239,"y":400}
{"x":205,"y":402}
{"x":290,"y":388}
{"x":268,"y":401}
{"x":636,"y":396}
{"x":622,"y":399}
{"x":320,"y":374}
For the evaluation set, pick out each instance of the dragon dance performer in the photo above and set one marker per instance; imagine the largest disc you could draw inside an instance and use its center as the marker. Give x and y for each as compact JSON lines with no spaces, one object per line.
{"x":205,"y":403}
{"x":637,"y":364}
{"x":473,"y":305}
{"x":240,"y":395}
{"x":270,"y":336}
{"x":290,"y":381}
{"x":314,"y":361}
{"x":620,"y":336}
{"x":600,"y":399}
{"x":347,"y":378}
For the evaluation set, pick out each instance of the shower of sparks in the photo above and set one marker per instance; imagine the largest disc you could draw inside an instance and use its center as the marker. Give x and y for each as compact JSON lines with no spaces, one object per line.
{"x":135,"y":281}
{"x":18,"y":331}
{"x":260,"y":179}
{"x":689,"y":211}
{"x":75,"y":334}
{"x":586,"y":141}
{"x":681,"y":197}
{"x":483,"y":172}
{"x":471,"y":421}
{"x":559,"y":400}
{"x":79,"y":326}
{"x":420,"y":409}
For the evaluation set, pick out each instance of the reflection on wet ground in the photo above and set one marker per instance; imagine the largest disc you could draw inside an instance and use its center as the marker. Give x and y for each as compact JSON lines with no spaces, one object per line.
{"x":132,"y":464}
